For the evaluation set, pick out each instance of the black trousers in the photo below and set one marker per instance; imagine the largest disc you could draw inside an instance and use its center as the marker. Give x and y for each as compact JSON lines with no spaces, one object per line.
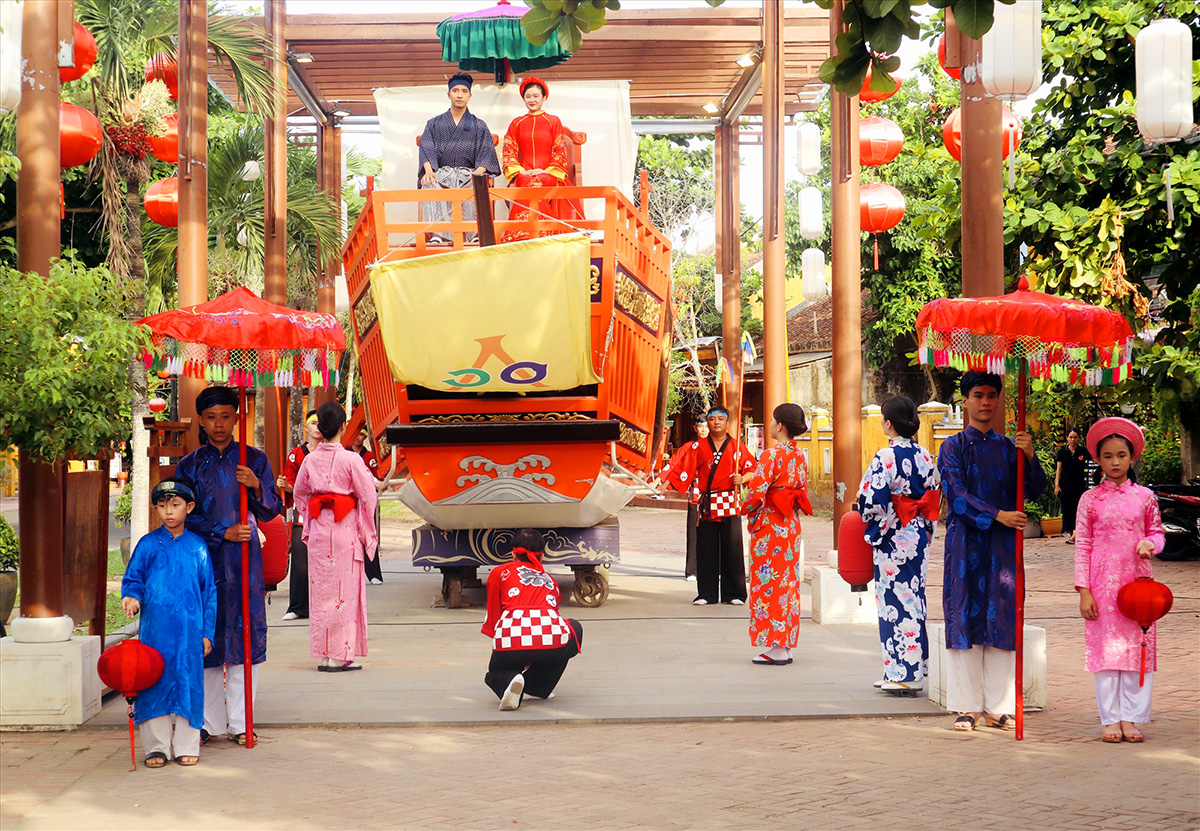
{"x":298,"y":574}
{"x":720,"y":560}
{"x":693,"y":516}
{"x":1070,"y":507}
{"x":542,"y":668}
{"x":371,"y":566}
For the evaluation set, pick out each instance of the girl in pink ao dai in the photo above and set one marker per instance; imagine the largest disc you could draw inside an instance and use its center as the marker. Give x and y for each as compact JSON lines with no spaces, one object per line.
{"x":1119,"y":529}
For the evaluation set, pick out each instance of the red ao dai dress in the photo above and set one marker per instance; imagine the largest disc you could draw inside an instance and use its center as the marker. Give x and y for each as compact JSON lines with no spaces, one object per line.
{"x":778,"y":485}
{"x":537,"y":141}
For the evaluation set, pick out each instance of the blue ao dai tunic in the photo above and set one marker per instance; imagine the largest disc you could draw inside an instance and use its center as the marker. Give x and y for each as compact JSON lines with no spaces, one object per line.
{"x":903,"y":469}
{"x":172,"y":579}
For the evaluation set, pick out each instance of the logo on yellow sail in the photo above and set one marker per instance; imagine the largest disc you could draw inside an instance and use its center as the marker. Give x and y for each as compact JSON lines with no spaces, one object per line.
{"x":510,"y":371}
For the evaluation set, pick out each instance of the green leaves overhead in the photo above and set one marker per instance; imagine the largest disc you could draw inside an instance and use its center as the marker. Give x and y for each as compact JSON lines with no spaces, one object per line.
{"x":569,"y":19}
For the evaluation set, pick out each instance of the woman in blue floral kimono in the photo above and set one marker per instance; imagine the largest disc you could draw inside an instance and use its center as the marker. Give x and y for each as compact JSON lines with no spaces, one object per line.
{"x":898,"y":499}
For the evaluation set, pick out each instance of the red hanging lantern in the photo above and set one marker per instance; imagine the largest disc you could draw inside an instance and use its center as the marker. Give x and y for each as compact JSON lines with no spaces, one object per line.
{"x":85,"y":56}
{"x":130,"y":667}
{"x":870,"y":96}
{"x":1144,"y":601}
{"x":164,"y":67}
{"x":274,"y":552}
{"x":1010,"y":130}
{"x":158,"y":405}
{"x":953,"y":71}
{"x":166,"y":147}
{"x":79,"y":135}
{"x":880,"y":140}
{"x":162,"y":202}
{"x":880,"y":207}
{"x":856,"y":560}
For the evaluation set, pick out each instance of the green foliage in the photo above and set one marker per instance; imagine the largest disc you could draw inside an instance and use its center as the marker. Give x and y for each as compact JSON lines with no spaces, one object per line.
{"x":681,"y":182}
{"x":10,"y":547}
{"x":64,"y":369}
{"x":123,"y":510}
{"x":570,"y":19}
{"x":1160,"y":463}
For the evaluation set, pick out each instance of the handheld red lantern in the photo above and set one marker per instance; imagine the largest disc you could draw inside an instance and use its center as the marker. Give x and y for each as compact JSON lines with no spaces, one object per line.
{"x":164,"y":67}
{"x":130,"y":667}
{"x":881,"y":207}
{"x":166,"y":147}
{"x":856,"y":561}
{"x":953,"y":71}
{"x":162,"y":202}
{"x":80,"y":135}
{"x":880,"y":140}
{"x":85,"y":56}
{"x":1144,"y":601}
{"x":870,"y":96}
{"x":274,"y":552}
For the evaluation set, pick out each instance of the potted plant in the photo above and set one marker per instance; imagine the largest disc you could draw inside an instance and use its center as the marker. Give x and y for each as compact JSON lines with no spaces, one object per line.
{"x":1051,"y":520}
{"x":10,"y":552}
{"x":1033,"y":512}
{"x":122,"y":512}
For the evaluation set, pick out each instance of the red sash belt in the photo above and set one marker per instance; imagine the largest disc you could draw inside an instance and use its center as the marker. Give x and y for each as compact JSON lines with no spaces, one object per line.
{"x":340,"y":503}
{"x":786,"y":500}
{"x":907,"y":507}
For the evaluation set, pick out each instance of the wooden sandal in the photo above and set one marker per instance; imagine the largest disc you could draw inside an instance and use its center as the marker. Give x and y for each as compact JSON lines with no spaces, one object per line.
{"x":155,"y":760}
{"x":1002,"y":723}
{"x":187,"y":761}
{"x":964,"y":723}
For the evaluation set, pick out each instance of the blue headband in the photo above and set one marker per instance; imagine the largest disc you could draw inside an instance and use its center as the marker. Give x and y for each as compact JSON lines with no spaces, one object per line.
{"x":456,"y":82}
{"x":171,"y":487}
{"x":714,"y":410}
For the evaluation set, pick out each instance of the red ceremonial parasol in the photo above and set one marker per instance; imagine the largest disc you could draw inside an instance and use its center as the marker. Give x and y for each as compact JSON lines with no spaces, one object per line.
{"x":130,"y":667}
{"x":243,"y":341}
{"x":1030,"y":333}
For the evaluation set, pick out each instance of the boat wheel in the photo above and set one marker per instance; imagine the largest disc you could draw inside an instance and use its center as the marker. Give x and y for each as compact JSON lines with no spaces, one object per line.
{"x":591,"y":587}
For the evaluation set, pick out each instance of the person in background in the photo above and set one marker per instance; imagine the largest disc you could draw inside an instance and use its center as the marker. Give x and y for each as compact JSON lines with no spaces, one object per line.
{"x":1070,"y":480}
{"x":298,"y":562}
{"x":373,"y":565}
{"x":693,"y":499}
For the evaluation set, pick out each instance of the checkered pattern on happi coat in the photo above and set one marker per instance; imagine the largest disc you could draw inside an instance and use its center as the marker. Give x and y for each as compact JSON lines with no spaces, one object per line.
{"x":530,"y":629}
{"x":724,"y":503}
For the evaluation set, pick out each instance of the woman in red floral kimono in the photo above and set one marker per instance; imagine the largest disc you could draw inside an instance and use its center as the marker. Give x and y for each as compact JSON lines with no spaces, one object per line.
{"x":777,"y":488}
{"x":535,"y":156}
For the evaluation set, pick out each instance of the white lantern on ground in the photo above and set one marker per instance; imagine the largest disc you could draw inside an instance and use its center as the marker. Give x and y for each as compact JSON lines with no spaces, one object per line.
{"x":812,"y":280}
{"x":812,"y":219}
{"x":11,"y":12}
{"x":1011,"y":65}
{"x":1164,"y":87}
{"x":808,"y":148}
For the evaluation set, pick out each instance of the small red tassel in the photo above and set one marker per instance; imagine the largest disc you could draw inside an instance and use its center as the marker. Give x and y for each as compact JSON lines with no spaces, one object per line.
{"x":876,"y":238}
{"x":132,"y":752}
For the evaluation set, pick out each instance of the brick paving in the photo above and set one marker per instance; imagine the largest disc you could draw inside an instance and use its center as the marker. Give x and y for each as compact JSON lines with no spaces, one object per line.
{"x":847,"y":773}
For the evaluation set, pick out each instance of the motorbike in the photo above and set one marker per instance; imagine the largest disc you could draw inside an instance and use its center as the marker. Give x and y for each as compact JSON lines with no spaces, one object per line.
{"x":1180,"y":509}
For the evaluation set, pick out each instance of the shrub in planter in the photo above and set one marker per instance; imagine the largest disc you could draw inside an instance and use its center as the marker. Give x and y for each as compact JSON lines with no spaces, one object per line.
{"x":10,"y":551}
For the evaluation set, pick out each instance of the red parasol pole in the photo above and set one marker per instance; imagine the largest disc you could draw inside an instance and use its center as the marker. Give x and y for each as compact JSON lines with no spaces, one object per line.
{"x":1020,"y":557}
{"x":246,"y":666}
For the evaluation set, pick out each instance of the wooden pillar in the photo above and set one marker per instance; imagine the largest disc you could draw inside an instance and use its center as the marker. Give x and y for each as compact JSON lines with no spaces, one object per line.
{"x":982,"y":171}
{"x":729,"y":261}
{"x":193,"y":180}
{"x":275,"y":230}
{"x":846,"y":247}
{"x":42,"y":503}
{"x":330,"y":180}
{"x":775,"y":359}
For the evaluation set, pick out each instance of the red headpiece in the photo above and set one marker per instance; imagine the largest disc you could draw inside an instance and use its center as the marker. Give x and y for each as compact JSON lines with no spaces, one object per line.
{"x":1115,"y":426}
{"x":534,"y":81}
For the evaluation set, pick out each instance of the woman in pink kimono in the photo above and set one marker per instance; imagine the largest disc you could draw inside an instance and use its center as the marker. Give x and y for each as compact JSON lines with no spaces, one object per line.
{"x":1118,"y":530}
{"x":335,"y":493}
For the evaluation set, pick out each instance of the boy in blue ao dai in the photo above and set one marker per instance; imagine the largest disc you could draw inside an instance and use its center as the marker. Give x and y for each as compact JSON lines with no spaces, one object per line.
{"x":169,"y":581}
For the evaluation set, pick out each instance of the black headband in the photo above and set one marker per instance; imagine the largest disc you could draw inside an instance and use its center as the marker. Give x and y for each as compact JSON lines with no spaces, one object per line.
{"x":171,"y":487}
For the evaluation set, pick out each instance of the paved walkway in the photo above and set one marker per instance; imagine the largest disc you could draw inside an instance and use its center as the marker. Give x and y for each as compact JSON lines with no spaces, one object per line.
{"x":649,"y":658}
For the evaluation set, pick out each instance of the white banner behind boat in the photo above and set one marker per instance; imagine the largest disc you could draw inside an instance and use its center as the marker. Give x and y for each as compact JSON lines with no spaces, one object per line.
{"x":598,"y":108}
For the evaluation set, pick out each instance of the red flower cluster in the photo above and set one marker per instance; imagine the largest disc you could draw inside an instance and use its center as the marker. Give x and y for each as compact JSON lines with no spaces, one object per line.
{"x":130,"y":139}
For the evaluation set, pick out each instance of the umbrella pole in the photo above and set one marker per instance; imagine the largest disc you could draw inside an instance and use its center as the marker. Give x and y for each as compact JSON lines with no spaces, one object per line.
{"x":1020,"y":566}
{"x":246,"y":665}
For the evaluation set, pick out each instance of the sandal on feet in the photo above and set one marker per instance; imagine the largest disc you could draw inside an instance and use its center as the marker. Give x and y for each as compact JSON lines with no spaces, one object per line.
{"x":240,"y":738}
{"x":204,"y":737}
{"x":1002,"y":723}
{"x":155,"y":759}
{"x":187,"y":761}
{"x":1132,"y":734}
{"x":767,"y":660}
{"x":1112,"y":734}
{"x":964,"y":723}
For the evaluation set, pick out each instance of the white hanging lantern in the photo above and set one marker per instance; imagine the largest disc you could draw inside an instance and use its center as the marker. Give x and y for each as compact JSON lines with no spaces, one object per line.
{"x":808,"y":148}
{"x":812,"y":221}
{"x":1163,"y":52}
{"x":812,"y":280}
{"x":1011,"y":65}
{"x":251,"y":171}
{"x":11,"y":12}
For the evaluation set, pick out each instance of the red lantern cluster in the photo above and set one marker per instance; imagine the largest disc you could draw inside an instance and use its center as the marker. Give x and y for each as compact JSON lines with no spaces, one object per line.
{"x":79,"y":135}
{"x":166,"y":147}
{"x":85,"y":56}
{"x":870,"y":96}
{"x":953,"y":71}
{"x":164,"y":67}
{"x":880,"y":140}
{"x":856,"y":563}
{"x":162,"y":202}
{"x":1010,"y":133}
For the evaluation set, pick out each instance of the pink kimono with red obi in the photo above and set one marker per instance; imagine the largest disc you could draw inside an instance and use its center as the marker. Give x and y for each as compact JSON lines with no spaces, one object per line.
{"x":335,"y":493}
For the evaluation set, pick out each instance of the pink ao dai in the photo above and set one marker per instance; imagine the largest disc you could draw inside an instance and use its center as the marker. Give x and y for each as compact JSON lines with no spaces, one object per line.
{"x":337,"y":588}
{"x":1112,"y":520}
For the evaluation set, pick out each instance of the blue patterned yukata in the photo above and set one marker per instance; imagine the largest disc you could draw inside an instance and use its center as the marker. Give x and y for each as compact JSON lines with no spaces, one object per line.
{"x":979,"y":474}
{"x":214,"y":474}
{"x":905,"y":469}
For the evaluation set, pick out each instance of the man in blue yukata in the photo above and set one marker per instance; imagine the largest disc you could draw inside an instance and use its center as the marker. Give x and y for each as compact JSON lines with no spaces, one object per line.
{"x":454,"y":146}
{"x":213,"y":468}
{"x":978,"y":468}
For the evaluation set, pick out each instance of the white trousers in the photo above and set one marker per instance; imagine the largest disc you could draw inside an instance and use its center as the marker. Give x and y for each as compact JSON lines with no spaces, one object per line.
{"x":170,"y":735}
{"x":1119,"y":698}
{"x":225,"y":698}
{"x":980,"y":679}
